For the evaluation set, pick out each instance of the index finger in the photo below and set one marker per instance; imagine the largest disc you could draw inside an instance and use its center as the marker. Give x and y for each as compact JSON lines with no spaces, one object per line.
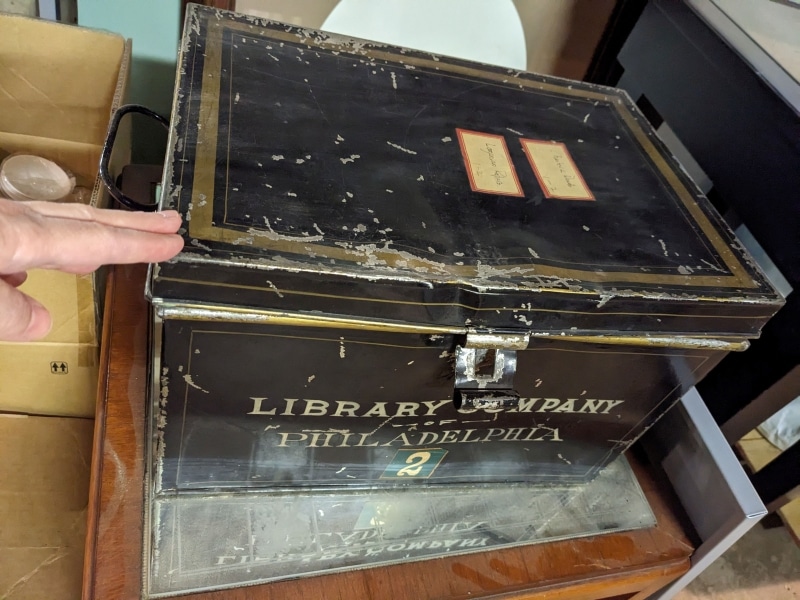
{"x":67,"y":244}
{"x":158,"y":222}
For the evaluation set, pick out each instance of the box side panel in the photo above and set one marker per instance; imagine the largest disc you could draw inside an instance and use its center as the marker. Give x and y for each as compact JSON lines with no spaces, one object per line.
{"x":265,"y":406}
{"x":49,"y":379}
{"x":44,"y":481}
{"x":64,"y":77}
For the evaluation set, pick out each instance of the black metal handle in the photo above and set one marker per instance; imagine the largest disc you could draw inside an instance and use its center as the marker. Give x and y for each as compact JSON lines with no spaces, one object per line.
{"x":108,"y":146}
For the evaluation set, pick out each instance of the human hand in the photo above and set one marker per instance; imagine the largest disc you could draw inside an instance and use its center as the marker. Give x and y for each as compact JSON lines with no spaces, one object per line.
{"x":74,"y":238}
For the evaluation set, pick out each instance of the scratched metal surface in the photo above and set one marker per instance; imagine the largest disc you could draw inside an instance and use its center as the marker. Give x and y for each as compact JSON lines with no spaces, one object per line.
{"x":201,"y":542}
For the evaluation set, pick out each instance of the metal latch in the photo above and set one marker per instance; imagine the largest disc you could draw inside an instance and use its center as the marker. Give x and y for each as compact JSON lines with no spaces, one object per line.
{"x":485,"y":369}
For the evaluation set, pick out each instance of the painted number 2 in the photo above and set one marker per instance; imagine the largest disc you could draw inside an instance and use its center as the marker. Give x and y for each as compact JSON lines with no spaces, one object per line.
{"x":415,"y":463}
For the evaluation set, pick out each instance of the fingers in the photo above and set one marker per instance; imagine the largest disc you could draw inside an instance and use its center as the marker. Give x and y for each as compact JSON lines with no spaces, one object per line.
{"x":80,"y":246}
{"x":33,"y":235}
{"x":22,"y":319}
{"x":14,"y":279}
{"x":158,"y":222}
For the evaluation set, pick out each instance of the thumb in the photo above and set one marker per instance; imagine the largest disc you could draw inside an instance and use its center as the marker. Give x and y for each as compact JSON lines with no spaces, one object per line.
{"x":22,"y":319}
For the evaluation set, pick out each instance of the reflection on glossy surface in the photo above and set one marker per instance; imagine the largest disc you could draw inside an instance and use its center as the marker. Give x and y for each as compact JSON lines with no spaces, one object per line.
{"x":205,"y":542}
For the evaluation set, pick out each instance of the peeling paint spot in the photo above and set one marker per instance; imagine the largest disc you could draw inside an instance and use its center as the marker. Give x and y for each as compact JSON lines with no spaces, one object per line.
{"x":291,"y":194}
{"x":300,"y":161}
{"x":411,"y":362}
{"x":420,"y":178}
{"x":268,"y":185}
{"x":259,"y":164}
{"x":349,"y":194}
{"x":431,"y":250}
{"x":585,"y":228}
{"x":663,"y":247}
{"x":538,"y":383}
{"x":685,"y":270}
{"x":341,"y":348}
{"x":274,"y":287}
{"x":447,"y":139}
{"x":311,"y":378}
{"x":272,"y":235}
{"x":188,"y":379}
{"x":199,"y":244}
{"x":711,"y":266}
{"x":533,"y":253}
{"x":375,"y":220}
{"x":398,"y":147}
{"x":423,"y":225}
{"x":236,"y":98}
{"x":273,"y":57}
{"x":458,"y":254}
{"x":390,"y":191}
{"x":514,"y":131}
{"x":604,"y":298}
{"x":394,"y":79}
{"x":352,"y":158}
{"x":318,"y":230}
{"x":277,"y":157}
{"x":361,"y":228}
{"x":564,"y":459}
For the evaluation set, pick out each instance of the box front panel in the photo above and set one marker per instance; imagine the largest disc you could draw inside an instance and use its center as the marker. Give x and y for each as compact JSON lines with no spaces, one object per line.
{"x":251,"y":406}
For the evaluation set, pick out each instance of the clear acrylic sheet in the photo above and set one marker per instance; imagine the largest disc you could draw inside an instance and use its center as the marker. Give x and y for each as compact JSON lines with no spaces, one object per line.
{"x":203,"y":542}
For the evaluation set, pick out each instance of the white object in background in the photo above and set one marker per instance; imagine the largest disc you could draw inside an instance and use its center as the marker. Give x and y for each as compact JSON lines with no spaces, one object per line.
{"x":783,"y":428}
{"x":29,"y":177}
{"x":487,"y":31}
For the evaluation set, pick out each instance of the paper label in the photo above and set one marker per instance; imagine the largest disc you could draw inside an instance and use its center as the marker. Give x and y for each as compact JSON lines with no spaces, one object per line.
{"x":556,"y":171}
{"x":488,"y":163}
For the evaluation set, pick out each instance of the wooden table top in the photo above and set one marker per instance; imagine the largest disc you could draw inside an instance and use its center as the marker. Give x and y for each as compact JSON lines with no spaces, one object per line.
{"x":622,"y":566}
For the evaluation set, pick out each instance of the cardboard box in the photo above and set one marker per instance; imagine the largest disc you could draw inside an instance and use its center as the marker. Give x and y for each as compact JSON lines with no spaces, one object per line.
{"x":43,"y":505}
{"x":60,"y":84}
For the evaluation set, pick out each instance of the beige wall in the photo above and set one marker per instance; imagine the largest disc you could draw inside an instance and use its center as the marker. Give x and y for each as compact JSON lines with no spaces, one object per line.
{"x":560,"y":35}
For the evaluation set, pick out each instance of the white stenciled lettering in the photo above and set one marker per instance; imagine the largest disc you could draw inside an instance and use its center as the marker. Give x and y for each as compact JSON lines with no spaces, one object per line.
{"x":346,"y":409}
{"x":611,"y":404}
{"x":549,"y":404}
{"x":526,"y":404}
{"x":351,"y":409}
{"x":257,"y":407}
{"x":568,"y":406}
{"x":316,"y":408}
{"x":591,"y":406}
{"x":289,"y":406}
{"x":512,"y":434}
{"x":378,"y":410}
{"x":434,"y":406}
{"x":287,"y":438}
{"x":406,"y":409}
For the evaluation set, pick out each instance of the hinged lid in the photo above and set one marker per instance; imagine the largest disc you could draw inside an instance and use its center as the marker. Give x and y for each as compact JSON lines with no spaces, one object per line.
{"x":329,"y":175}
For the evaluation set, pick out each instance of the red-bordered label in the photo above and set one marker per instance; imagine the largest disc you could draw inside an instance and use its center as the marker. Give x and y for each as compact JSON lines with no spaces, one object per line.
{"x":488,"y":162}
{"x":555,"y":170}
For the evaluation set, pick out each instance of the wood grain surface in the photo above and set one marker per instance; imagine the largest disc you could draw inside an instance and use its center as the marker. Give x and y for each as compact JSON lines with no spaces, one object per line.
{"x":617,"y":565}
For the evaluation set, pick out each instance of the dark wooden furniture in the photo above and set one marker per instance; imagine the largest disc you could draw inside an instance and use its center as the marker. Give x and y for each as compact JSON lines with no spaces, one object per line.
{"x":620,"y":566}
{"x":743,"y":135}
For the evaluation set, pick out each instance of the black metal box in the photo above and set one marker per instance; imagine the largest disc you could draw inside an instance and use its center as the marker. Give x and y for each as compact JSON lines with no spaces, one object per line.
{"x":401,"y":267}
